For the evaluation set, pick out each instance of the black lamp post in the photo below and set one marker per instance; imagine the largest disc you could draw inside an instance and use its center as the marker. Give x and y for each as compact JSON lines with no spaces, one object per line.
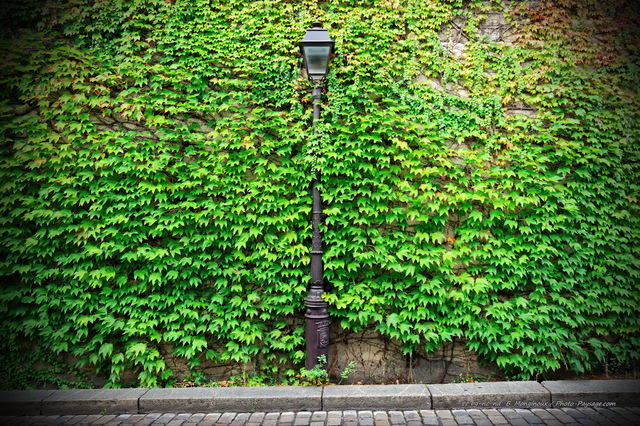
{"x":316,"y":48}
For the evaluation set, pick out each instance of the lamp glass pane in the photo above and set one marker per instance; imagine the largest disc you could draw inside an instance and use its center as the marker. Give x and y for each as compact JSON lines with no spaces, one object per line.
{"x":317,"y":58}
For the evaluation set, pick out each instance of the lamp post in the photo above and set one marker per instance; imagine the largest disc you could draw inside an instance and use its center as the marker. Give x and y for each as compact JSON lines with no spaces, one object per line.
{"x":316,"y":48}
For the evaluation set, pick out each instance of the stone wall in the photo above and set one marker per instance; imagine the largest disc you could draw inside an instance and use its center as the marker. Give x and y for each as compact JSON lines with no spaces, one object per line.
{"x":380,"y":360}
{"x":377,"y":360}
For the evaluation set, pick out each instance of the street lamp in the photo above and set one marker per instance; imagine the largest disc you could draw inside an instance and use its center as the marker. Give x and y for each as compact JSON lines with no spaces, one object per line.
{"x":316,"y":48}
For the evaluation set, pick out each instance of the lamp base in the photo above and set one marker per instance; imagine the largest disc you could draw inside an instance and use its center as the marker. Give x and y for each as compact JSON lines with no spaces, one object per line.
{"x":317,"y":327}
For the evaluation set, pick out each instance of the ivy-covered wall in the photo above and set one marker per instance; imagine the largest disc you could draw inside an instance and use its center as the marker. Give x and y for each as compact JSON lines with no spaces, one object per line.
{"x":480,"y":172}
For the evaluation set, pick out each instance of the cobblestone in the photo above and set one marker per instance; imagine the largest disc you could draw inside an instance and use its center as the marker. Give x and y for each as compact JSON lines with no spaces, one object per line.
{"x":381,"y":418}
{"x":429,"y":417}
{"x":334,"y":418}
{"x":582,"y":416}
{"x":397,"y":418}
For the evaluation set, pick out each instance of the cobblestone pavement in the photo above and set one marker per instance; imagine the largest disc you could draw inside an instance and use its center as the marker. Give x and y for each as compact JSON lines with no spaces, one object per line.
{"x":502,"y":416}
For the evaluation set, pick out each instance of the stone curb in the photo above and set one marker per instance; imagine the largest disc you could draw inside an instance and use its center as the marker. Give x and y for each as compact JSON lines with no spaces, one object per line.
{"x":489,"y":395}
{"x":594,"y":393}
{"x":23,"y":402}
{"x":587,"y":393}
{"x":92,"y":401}
{"x":376,"y":397}
{"x":250,"y":399}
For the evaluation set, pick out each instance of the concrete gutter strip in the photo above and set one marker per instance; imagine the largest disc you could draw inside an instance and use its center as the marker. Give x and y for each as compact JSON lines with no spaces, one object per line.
{"x":578,"y":393}
{"x":594,"y":393}
{"x":376,"y":397}
{"x":489,"y":395}
{"x":250,"y":399}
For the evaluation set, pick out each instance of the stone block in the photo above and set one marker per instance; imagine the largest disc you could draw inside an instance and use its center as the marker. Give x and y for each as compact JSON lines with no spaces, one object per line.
{"x":22,"y":403}
{"x":93,"y":401}
{"x":376,"y":397}
{"x":249,"y":399}
{"x":594,"y":393}
{"x":490,"y":395}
